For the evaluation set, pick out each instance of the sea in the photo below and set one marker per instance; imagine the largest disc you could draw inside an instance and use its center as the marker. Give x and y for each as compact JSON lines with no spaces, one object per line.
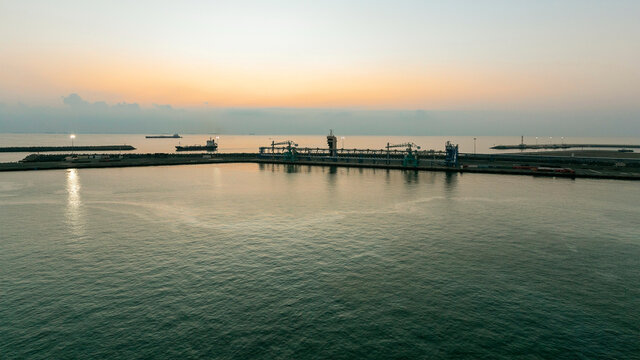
{"x":267,"y":261}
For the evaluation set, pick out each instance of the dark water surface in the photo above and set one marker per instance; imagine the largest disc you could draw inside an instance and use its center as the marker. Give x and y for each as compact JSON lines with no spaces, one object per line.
{"x":271,"y":261}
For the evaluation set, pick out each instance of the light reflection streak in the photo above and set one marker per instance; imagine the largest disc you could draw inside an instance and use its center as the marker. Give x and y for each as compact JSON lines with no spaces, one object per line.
{"x":74,"y":202}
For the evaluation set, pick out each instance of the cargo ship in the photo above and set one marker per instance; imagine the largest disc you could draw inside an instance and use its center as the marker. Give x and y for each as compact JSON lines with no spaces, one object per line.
{"x":174,"y":136}
{"x":210,"y":146}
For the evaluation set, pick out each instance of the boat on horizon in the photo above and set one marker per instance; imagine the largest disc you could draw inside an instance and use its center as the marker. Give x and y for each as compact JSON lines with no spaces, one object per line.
{"x":174,"y":136}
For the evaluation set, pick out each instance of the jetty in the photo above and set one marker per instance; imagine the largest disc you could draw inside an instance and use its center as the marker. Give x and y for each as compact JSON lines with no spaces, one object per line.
{"x":563,"y":146}
{"x":37,"y":149}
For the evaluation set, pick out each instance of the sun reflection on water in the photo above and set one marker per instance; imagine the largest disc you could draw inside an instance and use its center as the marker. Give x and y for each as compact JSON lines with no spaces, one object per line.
{"x":74,"y":202}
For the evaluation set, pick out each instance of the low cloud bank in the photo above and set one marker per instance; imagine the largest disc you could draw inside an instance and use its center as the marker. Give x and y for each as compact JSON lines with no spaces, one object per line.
{"x":81,"y":116}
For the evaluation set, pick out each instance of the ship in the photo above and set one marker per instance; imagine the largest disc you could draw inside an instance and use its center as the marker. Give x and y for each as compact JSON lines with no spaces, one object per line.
{"x":210,"y":146}
{"x":174,"y":136}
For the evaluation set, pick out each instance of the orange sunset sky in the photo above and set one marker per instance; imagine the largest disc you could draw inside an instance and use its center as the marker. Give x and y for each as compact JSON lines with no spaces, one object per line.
{"x":375,"y":55}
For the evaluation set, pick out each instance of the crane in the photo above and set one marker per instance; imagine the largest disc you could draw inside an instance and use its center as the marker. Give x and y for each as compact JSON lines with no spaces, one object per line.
{"x":290,"y":144}
{"x":411,"y":158}
{"x":408,"y":145}
{"x":290,"y":153}
{"x":286,"y":142}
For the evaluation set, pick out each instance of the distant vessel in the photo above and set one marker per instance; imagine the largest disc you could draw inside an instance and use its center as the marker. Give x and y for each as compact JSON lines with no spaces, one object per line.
{"x":174,"y":136}
{"x":211,"y":146}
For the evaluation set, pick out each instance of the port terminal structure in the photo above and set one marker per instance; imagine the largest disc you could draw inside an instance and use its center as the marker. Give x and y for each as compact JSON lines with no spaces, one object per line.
{"x":404,"y":156}
{"x":409,"y":156}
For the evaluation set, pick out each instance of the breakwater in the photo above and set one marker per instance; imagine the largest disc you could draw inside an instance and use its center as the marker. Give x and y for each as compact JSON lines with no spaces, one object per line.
{"x":563,"y":146}
{"x":66,"y":148}
{"x":482,"y":163}
{"x":551,"y":160}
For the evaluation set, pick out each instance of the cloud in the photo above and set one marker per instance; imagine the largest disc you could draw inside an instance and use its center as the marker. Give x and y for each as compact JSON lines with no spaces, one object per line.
{"x":77,"y":103}
{"x":163,"y":107}
{"x":82,"y":116}
{"x":74,"y":100}
{"x":127,"y":106}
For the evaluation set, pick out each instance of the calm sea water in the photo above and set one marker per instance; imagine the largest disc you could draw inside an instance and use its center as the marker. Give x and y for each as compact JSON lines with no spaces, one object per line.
{"x":272,"y":261}
{"x":251,"y":143}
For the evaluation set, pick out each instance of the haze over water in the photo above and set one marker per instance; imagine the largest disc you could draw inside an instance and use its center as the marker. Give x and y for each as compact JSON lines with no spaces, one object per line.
{"x":275,"y":261}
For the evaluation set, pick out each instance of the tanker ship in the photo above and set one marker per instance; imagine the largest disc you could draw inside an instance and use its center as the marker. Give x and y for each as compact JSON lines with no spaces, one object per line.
{"x":174,"y":136}
{"x":210,"y":146}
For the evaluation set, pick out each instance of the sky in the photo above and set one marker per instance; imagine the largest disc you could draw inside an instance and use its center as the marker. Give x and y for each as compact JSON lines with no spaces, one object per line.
{"x":490,"y":66}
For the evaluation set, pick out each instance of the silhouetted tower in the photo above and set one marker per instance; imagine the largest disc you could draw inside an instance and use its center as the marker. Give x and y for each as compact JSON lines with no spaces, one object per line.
{"x":451,"y":157}
{"x":332,"y":141}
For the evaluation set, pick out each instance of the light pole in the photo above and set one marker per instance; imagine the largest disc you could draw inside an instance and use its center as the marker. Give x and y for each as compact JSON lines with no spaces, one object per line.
{"x":474,"y":146}
{"x":342,"y":138}
{"x":72,"y":136}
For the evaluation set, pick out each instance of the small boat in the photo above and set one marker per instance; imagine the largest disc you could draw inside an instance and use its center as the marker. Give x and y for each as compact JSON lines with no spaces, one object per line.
{"x":174,"y":136}
{"x":211,"y":146}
